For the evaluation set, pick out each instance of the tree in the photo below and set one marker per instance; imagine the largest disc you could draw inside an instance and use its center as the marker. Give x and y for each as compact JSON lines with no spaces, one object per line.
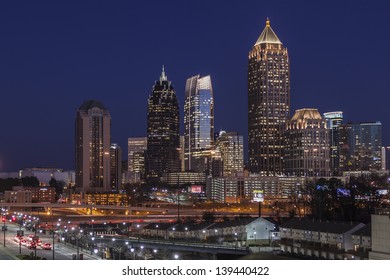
{"x":208,"y":217}
{"x":30,"y":181}
{"x":58,"y":185}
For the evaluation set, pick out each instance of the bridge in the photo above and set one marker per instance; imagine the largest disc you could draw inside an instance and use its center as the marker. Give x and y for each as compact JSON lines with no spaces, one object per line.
{"x":8,"y":205}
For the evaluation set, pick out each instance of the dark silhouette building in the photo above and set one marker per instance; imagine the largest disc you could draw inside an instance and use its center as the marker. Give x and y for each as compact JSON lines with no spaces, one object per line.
{"x":163,"y":138}
{"x":93,"y":140}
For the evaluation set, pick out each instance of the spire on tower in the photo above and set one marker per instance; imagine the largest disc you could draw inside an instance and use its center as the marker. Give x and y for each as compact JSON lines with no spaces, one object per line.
{"x":163,"y":77}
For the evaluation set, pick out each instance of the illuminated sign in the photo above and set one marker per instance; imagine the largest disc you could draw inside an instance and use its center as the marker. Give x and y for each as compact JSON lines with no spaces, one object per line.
{"x":258,"y":196}
{"x":196,"y":189}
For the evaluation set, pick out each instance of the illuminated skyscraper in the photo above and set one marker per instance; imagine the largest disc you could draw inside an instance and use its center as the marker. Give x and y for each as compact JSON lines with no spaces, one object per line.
{"x":268,"y":103}
{"x":163,"y":138}
{"x":231,"y":147}
{"x":93,"y":140}
{"x":115,"y":167}
{"x":136,"y":158}
{"x":198,"y":123}
{"x":361,"y":146}
{"x":334,"y":120}
{"x":307,"y":145}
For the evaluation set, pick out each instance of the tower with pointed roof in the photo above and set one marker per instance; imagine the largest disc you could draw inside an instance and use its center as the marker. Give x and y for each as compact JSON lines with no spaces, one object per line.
{"x":163,"y":134}
{"x":268,"y":103}
{"x":93,"y":140}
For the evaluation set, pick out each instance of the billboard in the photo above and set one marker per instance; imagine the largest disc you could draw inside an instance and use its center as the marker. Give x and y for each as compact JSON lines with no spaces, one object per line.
{"x":196,"y":189}
{"x":258,"y":196}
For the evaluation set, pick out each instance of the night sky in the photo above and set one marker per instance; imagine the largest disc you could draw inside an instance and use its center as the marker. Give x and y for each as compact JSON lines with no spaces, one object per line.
{"x":54,"y":55}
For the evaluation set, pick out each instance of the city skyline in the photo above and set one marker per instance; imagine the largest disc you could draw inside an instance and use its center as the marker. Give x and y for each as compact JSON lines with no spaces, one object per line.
{"x":56,"y":57}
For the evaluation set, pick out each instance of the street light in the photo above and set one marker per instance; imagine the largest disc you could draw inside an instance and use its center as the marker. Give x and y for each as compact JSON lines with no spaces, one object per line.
{"x":133,"y":251}
{"x":255,"y":236}
{"x":154,"y":253}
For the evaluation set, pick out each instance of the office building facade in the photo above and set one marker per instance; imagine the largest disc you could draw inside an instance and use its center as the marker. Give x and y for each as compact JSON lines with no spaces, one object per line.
{"x":268,"y":103}
{"x":198,"y":122}
{"x":163,"y":138}
{"x":361,"y":146}
{"x":334,"y":120}
{"x":231,"y":148}
{"x":115,"y":167}
{"x":307,"y":145}
{"x":136,"y":147}
{"x":93,"y":140}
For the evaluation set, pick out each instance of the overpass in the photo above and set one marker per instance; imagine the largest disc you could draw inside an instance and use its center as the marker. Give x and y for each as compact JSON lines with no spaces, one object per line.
{"x":9,"y":206}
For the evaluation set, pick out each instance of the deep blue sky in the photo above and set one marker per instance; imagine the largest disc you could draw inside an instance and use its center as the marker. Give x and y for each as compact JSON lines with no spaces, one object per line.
{"x":56,"y":54}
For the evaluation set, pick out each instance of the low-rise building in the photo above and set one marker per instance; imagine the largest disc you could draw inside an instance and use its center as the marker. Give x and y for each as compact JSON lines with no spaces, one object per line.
{"x":243,"y":231}
{"x":361,"y":240}
{"x":380,"y":235}
{"x":320,"y":239}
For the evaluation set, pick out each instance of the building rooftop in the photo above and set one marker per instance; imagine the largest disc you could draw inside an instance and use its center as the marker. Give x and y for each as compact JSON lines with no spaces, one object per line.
{"x":89,"y":104}
{"x":364,"y":231}
{"x":306,"y":114}
{"x":268,"y":36}
{"x":320,"y":226}
{"x":160,"y":226}
{"x":232,"y":223}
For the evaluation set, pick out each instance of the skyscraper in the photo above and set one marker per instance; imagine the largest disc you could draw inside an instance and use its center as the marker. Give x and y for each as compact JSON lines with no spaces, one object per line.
{"x":334,"y":120}
{"x":198,"y":122}
{"x":93,"y":140}
{"x":115,"y":167}
{"x":307,"y":145}
{"x":136,"y":147}
{"x":361,"y":146}
{"x":231,"y":147}
{"x":163,"y":138}
{"x":268,"y":103}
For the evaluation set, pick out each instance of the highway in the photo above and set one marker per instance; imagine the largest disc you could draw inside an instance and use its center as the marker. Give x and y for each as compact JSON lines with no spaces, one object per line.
{"x":61,"y":251}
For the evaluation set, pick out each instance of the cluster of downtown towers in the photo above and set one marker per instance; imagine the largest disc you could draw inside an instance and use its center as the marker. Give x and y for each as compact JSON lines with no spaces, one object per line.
{"x":308,"y":144}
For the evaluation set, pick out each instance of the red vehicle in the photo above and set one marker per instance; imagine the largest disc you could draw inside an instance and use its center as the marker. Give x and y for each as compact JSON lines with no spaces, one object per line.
{"x":45,"y":246}
{"x":31,"y":245}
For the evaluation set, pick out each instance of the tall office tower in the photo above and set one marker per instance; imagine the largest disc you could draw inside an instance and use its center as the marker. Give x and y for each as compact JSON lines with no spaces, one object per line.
{"x":231,"y":147}
{"x":198,"y":123}
{"x":361,"y":146}
{"x":136,"y":147}
{"x":334,"y":120}
{"x":268,"y":103}
{"x":163,"y":138}
{"x":115,"y":167}
{"x":307,"y":145}
{"x":93,"y":140}
{"x":182,"y":157}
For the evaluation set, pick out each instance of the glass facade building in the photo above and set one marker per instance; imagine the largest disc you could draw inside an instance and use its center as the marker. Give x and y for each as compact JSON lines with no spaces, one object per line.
{"x":361,"y":146}
{"x":334,"y":120}
{"x":268,"y":103}
{"x":136,"y":147}
{"x":198,"y":122}
{"x":163,"y":138}
{"x":231,"y":148}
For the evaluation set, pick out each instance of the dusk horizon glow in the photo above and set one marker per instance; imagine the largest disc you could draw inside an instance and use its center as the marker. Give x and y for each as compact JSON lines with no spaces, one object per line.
{"x":56,"y":55}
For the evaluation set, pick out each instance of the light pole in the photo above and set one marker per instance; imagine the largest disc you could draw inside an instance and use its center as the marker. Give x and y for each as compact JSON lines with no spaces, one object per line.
{"x":35,"y":234}
{"x":255,"y":236}
{"x":4,"y":228}
{"x":154,"y":253}
{"x":133,"y":251}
